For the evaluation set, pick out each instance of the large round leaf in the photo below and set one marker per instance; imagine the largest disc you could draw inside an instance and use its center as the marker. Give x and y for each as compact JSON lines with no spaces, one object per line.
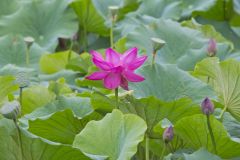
{"x":89,"y":18}
{"x":52,"y":63}
{"x":201,"y":154}
{"x":193,"y":130}
{"x":7,"y":86}
{"x":170,"y":9}
{"x":116,"y":136}
{"x":225,"y":81}
{"x":184,"y":46}
{"x":61,"y":127}
{"x":34,"y":97}
{"x":169,"y":83}
{"x":79,"y":105}
{"x":124,"y":7}
{"x":43,"y":20}
{"x":153,"y":110}
{"x":13,"y":51}
{"x":33,"y":148}
{"x":8,"y":7}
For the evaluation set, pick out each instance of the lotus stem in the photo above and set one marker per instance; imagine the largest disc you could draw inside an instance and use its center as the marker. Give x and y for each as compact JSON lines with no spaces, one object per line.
{"x":163,"y":151}
{"x":19,"y":138}
{"x":211,"y":134}
{"x":147,"y":148}
{"x":111,"y":34}
{"x":70,"y":51}
{"x":27,"y":56}
{"x":116,"y":96}
{"x":20,"y":95}
{"x":154,"y":57}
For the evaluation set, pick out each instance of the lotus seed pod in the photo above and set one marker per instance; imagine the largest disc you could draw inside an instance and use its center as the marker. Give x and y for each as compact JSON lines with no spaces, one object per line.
{"x":113,"y":11}
{"x":168,"y":134}
{"x":22,"y":79}
{"x":207,"y":106}
{"x":212,"y":48}
{"x":157,"y":43}
{"x":29,"y":41}
{"x":11,"y":110}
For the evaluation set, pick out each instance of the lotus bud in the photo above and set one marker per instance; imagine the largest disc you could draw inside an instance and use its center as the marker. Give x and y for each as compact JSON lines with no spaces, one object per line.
{"x":207,"y":106}
{"x":114,"y":12}
{"x":22,"y":79}
{"x":11,"y":110}
{"x":212,"y":48}
{"x":157,"y":43}
{"x":29,"y":41}
{"x":168,"y":134}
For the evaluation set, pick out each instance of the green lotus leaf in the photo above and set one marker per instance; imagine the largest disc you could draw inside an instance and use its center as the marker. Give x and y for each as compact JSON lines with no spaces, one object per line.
{"x":35,"y":97}
{"x":89,"y":18}
{"x":8,"y":7}
{"x":7,"y":85}
{"x":32,"y":147}
{"x":43,"y":20}
{"x":116,"y":136}
{"x":153,"y":110}
{"x":52,"y":63}
{"x":61,"y":127}
{"x":224,"y":78}
{"x":170,"y":9}
{"x":201,"y":154}
{"x":232,"y":125}
{"x":125,"y":6}
{"x":68,"y":75}
{"x":192,"y":48}
{"x":13,"y":51}
{"x":210,"y":32}
{"x":168,"y":83}
{"x":80,"y":106}
{"x":193,"y":130}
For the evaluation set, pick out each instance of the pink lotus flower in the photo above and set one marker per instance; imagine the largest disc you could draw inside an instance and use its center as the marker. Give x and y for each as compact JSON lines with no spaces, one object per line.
{"x":116,"y":70}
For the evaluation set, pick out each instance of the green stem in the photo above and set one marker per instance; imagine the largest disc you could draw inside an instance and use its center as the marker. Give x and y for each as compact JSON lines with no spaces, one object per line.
{"x":70,"y":51}
{"x":27,"y":56}
{"x":111,"y":34}
{"x":19,"y":138}
{"x":153,"y":57}
{"x":147,"y":148}
{"x":116,"y":96}
{"x":163,"y":151}
{"x":211,"y":134}
{"x":20,"y":95}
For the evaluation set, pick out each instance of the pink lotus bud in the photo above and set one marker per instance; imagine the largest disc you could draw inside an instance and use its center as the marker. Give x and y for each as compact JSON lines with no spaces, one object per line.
{"x":168,"y":134}
{"x":207,"y":106}
{"x":212,"y":48}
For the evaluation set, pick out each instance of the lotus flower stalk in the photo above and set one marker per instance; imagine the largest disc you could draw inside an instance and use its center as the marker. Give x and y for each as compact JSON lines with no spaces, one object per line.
{"x":167,"y":137}
{"x":208,"y":109}
{"x":147,"y":148}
